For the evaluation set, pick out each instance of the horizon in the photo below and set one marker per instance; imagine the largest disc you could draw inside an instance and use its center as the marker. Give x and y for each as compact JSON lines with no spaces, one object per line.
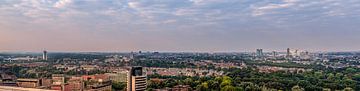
{"x":145,"y":51}
{"x":179,"y":26}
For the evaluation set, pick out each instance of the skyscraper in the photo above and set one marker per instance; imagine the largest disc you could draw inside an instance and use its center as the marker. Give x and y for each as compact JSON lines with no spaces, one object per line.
{"x":259,"y":53}
{"x":136,"y":79}
{"x":274,"y":53}
{"x":45,"y":57}
{"x":132,"y":56}
{"x":288,"y":54}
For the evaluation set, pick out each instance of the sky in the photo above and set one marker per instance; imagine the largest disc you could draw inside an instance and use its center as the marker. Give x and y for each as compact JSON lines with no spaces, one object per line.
{"x":179,"y":25}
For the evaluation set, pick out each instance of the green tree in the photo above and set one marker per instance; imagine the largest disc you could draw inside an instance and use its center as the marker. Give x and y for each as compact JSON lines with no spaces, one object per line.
{"x":330,"y":76}
{"x":226,"y":81}
{"x":304,"y":83}
{"x":228,"y":88}
{"x":318,"y":75}
{"x":348,"y":89}
{"x":339,"y":76}
{"x":170,"y":83}
{"x":350,"y":70}
{"x":118,"y":86}
{"x":203,"y":87}
{"x":188,"y":81}
{"x":356,"y":77}
{"x":297,"y":88}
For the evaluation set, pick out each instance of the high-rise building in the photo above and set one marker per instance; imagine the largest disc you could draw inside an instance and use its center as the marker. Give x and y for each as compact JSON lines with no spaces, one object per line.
{"x":45,"y":57}
{"x":274,"y":53}
{"x":132,"y":56}
{"x":288,"y":54}
{"x":259,"y":53}
{"x":136,"y":79}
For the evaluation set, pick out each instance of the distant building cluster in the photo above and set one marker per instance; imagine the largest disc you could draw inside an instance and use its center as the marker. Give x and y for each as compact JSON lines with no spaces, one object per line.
{"x":183,"y":72}
{"x":99,"y":71}
{"x":271,"y":69}
{"x":290,"y":54}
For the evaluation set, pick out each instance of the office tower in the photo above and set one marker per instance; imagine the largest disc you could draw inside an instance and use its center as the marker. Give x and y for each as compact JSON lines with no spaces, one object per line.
{"x":45,"y":57}
{"x":136,"y":79}
{"x":288,"y":53}
{"x":274,"y":54}
{"x":259,"y":53}
{"x":132,"y":55}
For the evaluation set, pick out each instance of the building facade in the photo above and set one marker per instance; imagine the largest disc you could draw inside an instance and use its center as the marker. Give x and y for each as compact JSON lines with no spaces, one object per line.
{"x":136,"y":79}
{"x":98,"y":82}
{"x":45,"y":56}
{"x":58,"y":82}
{"x":29,"y":83}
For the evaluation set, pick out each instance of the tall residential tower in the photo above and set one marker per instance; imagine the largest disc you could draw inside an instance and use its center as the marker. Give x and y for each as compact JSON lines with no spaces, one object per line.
{"x":45,"y":57}
{"x":136,"y":79}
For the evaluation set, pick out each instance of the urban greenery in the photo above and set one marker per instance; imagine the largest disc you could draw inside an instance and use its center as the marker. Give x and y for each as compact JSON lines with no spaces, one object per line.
{"x":249,"y":79}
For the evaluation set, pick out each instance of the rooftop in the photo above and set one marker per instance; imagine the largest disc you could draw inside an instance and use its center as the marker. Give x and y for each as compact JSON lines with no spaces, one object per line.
{"x":7,"y":88}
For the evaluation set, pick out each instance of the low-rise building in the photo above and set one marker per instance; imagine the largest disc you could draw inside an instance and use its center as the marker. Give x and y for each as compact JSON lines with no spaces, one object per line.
{"x":181,"y":88}
{"x":75,"y":84}
{"x":10,"y":88}
{"x":7,"y":79}
{"x":28,"y":83}
{"x":58,"y":82}
{"x":98,"y":82}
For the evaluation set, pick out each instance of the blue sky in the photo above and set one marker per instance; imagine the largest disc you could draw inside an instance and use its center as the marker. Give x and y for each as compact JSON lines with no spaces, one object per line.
{"x":179,"y":25}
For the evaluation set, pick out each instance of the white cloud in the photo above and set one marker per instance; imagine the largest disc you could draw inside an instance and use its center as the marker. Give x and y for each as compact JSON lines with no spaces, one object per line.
{"x":232,"y":18}
{"x":62,"y":3}
{"x":184,"y":12}
{"x":169,"y":21}
{"x":226,"y":12}
{"x":73,"y":13}
{"x":275,"y":6}
{"x":134,"y":5}
{"x":335,"y":13}
{"x":197,"y":1}
{"x":33,"y":8}
{"x":207,"y":2}
{"x":269,"y":7}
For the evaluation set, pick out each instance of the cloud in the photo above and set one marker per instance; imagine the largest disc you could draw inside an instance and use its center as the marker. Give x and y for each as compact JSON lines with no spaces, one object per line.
{"x":209,"y":2}
{"x":134,"y":5}
{"x":269,"y":7}
{"x":31,"y":9}
{"x":62,"y":3}
{"x":179,"y":18}
{"x":184,"y":12}
{"x":169,"y":21}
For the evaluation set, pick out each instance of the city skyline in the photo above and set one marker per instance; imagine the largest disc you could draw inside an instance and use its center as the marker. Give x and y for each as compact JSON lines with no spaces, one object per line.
{"x":179,"y":26}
